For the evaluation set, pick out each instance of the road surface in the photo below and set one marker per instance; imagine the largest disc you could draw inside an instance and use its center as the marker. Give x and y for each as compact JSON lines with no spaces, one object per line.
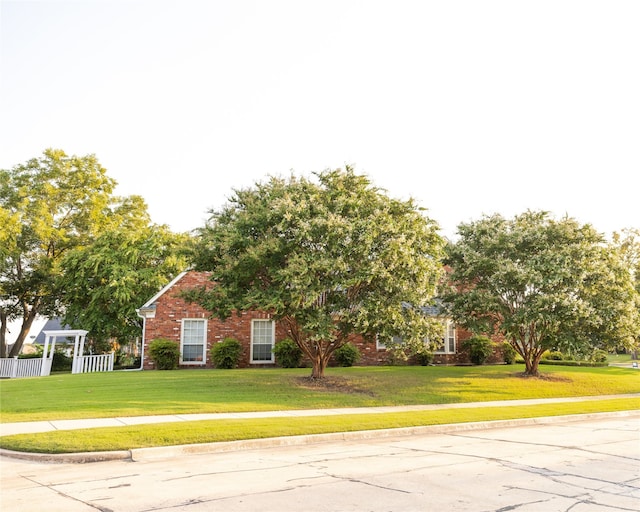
{"x":575,"y":466}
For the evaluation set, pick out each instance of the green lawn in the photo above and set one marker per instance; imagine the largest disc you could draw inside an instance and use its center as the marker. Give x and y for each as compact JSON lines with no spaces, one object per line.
{"x":620,"y":358}
{"x":181,"y":433}
{"x":68,"y":396}
{"x":96,"y":395}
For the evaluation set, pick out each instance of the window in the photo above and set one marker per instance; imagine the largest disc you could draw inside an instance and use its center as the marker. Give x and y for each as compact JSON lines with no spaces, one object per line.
{"x":262,"y":340}
{"x":382,"y":345}
{"x":193,"y":341}
{"x":448,"y":342}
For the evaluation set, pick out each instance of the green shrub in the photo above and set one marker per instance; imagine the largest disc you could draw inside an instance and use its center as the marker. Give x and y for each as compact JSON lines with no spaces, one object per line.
{"x":598,"y":356}
{"x":508,"y":353}
{"x":164,"y":353}
{"x":424,"y":357}
{"x":553,"y":356}
{"x":347,"y":355}
{"x":396,"y":356}
{"x":288,"y":354}
{"x":565,"y":362}
{"x":226,"y":354}
{"x":480,"y":348}
{"x":61,"y":362}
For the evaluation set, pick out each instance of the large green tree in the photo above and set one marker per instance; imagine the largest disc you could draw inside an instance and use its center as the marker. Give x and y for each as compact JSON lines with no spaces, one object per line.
{"x":329,"y":258}
{"x":103,"y":283}
{"x":540,"y":283}
{"x":628,"y":243}
{"x":49,"y":206}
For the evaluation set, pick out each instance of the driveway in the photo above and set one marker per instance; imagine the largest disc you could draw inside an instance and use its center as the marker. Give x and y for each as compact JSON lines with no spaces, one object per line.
{"x":578,"y":466}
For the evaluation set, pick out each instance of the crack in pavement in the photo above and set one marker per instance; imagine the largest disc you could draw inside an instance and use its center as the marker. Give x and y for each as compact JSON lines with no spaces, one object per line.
{"x":60,"y":493}
{"x":517,"y":506}
{"x":198,"y":501}
{"x":227,"y":472}
{"x":551,"y":475}
{"x":549,"y":445}
{"x":589,"y":501}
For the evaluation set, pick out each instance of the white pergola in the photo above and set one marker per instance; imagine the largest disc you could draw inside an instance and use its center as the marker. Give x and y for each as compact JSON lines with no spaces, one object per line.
{"x":50,"y":344}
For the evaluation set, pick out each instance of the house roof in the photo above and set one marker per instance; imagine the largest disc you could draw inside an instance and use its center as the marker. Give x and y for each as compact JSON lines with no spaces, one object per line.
{"x":435,"y":309}
{"x":155,"y":298}
{"x":148,"y":308}
{"x":52,"y":324}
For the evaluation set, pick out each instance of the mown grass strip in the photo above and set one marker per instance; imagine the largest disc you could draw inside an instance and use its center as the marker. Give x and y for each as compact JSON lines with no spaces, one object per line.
{"x":100,"y":395}
{"x":171,"y":434}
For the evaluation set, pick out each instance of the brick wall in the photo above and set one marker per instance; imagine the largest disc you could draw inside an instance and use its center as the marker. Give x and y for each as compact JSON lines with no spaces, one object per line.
{"x":171,"y":309}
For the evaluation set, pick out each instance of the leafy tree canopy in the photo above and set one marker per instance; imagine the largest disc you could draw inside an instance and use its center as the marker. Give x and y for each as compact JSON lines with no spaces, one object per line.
{"x":103,"y":283}
{"x":49,"y":206}
{"x":329,"y":258}
{"x":541,"y":283}
{"x":628,"y":242}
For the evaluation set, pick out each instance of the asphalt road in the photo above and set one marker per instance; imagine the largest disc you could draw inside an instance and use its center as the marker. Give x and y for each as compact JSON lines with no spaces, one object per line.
{"x":578,"y":466}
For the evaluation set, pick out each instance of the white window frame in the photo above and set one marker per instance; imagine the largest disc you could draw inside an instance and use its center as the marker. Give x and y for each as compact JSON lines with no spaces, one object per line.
{"x":254,"y":322}
{"x":450,"y":338}
{"x":203,"y":321}
{"x":382,"y":345}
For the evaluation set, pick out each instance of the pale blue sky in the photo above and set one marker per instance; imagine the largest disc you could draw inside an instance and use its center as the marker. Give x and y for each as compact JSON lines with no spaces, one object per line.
{"x":470,"y":107}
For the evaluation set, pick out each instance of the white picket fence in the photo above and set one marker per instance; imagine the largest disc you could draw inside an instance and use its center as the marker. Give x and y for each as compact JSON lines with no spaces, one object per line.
{"x":12,"y":367}
{"x":90,"y":364}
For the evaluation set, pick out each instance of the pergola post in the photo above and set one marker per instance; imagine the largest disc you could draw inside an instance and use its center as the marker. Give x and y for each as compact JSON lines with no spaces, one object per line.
{"x":78,"y":348}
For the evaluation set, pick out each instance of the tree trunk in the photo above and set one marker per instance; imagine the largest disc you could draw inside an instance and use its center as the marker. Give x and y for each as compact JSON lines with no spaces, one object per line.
{"x":531,"y":367}
{"x":529,"y":355}
{"x":319,"y":365}
{"x":27,"y":322}
{"x":3,"y":333}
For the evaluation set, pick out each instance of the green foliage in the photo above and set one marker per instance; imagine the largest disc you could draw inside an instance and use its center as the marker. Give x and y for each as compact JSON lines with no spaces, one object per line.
{"x":541,"y":283}
{"x":104,"y":282}
{"x":288,"y":354}
{"x":572,"y":362}
{"x":330,"y":258}
{"x":30,"y":356}
{"x":480,"y":348}
{"x":509,"y":353}
{"x":165,"y":354}
{"x":347,"y":355}
{"x":226,"y":354}
{"x":598,"y":356}
{"x":48,"y":207}
{"x":424,"y":357}
{"x":61,"y":362}
{"x":396,"y":356}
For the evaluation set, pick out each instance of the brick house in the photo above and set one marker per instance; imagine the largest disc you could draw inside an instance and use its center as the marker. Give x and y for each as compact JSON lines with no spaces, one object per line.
{"x":167,"y":315}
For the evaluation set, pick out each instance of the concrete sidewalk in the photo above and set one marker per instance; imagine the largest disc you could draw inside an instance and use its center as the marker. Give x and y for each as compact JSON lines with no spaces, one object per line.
{"x":33,"y":427}
{"x":167,"y":452}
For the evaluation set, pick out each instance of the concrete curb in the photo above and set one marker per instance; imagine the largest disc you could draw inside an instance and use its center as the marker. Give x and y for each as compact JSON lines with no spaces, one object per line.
{"x":61,"y":458}
{"x":168,"y":452}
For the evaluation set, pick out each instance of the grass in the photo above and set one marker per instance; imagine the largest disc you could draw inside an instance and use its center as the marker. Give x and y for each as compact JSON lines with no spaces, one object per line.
{"x":66,"y":396}
{"x":620,"y":358}
{"x":171,"y":434}
{"x":100,"y":395}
